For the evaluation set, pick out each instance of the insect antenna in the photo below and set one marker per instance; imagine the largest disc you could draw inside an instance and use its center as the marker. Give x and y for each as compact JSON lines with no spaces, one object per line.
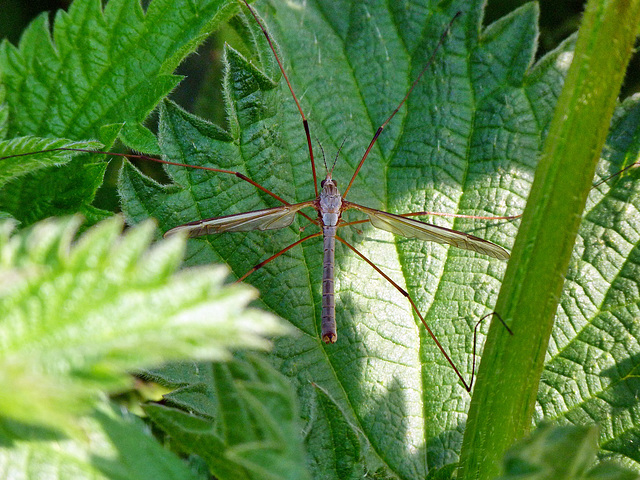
{"x":337,"y":155}
{"x":324,"y":159}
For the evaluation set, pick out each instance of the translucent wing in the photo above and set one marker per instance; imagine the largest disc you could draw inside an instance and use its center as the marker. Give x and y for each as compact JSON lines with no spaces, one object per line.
{"x":410,"y":228}
{"x":267,"y":219}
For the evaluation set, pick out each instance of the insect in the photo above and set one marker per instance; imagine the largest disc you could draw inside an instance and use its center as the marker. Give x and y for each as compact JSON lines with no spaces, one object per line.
{"x":329,"y":205}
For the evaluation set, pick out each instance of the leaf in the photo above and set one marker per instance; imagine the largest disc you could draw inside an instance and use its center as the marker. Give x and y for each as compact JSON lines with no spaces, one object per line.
{"x":240,"y":417}
{"x":109,"y":448}
{"x":22,"y":164}
{"x":566,"y":452}
{"x":98,"y":68}
{"x":466,"y":142}
{"x":76,"y":318}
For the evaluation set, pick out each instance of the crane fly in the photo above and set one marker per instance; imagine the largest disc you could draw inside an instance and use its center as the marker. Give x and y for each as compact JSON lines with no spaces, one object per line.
{"x":330,"y":205}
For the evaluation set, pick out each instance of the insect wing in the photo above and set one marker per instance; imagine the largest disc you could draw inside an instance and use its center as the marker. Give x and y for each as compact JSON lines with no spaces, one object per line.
{"x":410,"y":228}
{"x":267,"y":219}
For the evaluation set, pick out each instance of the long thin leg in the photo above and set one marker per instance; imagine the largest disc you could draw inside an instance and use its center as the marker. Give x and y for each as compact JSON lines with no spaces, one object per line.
{"x":166,"y":162}
{"x":305,"y":124}
{"x":273,"y":257}
{"x":604,"y":180}
{"x":475,"y":338}
{"x":413,"y":85}
{"x":466,"y":385}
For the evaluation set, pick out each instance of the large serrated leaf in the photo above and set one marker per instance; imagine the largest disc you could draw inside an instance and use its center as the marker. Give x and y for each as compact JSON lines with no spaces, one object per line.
{"x":436,"y":155}
{"x":466,"y":143}
{"x":240,"y":417}
{"x":97,"y":68}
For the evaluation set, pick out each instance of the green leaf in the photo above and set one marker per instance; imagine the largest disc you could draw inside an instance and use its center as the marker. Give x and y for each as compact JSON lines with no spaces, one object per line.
{"x":445,"y":151}
{"x":96,"y":68}
{"x":332,"y":427}
{"x":108,"y":447}
{"x":466,"y":142}
{"x":240,"y":417}
{"x":22,"y":164}
{"x":76,"y":318}
{"x":566,"y":452}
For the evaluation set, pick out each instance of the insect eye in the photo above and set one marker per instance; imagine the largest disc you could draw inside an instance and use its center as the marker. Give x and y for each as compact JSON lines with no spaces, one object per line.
{"x":335,"y":183}
{"x":322,"y":183}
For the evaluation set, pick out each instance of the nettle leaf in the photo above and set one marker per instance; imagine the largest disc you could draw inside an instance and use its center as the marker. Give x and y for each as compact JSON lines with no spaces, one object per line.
{"x":465,"y":142}
{"x":567,"y":452}
{"x":239,"y":417}
{"x":108,"y":448}
{"x":76,"y":317}
{"x":98,"y":67}
{"x":23,"y":161}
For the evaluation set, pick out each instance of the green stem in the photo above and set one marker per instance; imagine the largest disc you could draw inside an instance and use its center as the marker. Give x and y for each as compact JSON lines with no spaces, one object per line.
{"x":504,"y":398}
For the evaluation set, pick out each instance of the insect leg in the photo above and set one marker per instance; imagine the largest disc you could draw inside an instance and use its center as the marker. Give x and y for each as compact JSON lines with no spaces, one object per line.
{"x":413,"y":85}
{"x":305,"y":124}
{"x":241,"y":176}
{"x":276,"y":255}
{"x":466,"y":385}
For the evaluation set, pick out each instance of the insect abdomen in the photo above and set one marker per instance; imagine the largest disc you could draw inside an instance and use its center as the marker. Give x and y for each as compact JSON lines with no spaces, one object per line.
{"x":329,"y":334}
